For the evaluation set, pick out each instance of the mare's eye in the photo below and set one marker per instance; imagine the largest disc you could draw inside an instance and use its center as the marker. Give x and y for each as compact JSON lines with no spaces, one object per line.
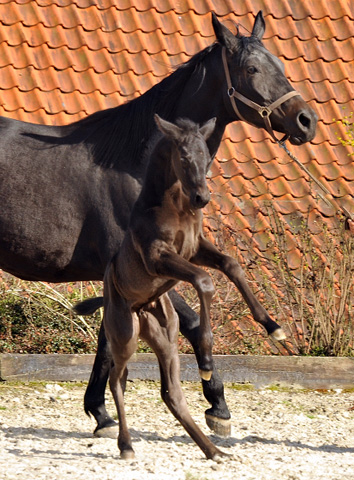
{"x":251,"y":70}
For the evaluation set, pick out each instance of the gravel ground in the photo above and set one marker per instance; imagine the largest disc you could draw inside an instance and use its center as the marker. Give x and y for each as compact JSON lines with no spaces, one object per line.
{"x":276,"y":434}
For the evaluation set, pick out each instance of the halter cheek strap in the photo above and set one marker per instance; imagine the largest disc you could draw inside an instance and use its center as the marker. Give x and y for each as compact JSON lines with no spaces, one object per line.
{"x":264,"y":110}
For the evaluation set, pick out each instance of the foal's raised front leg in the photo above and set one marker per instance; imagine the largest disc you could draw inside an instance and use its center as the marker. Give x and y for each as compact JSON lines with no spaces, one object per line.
{"x":209,"y":256}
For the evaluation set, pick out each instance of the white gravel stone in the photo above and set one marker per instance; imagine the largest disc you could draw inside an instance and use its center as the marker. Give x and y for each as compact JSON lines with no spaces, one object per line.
{"x":276,"y":435}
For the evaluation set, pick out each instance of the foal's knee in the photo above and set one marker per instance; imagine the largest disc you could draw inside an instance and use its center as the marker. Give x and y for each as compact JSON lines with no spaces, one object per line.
{"x":205,"y":285}
{"x":229,"y":264}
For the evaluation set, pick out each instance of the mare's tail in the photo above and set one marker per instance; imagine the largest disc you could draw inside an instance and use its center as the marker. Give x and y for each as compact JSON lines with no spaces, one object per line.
{"x":89,"y":306}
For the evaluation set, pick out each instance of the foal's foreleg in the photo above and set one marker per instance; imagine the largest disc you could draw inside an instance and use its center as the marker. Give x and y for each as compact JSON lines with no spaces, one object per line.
{"x":209,"y":256}
{"x":174,"y":266}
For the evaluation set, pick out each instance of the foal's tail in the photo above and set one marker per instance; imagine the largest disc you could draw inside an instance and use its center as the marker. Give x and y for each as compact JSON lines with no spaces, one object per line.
{"x":89,"y":306}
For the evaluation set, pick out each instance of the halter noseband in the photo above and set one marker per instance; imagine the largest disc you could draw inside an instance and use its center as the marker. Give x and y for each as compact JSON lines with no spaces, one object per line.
{"x":264,"y":111}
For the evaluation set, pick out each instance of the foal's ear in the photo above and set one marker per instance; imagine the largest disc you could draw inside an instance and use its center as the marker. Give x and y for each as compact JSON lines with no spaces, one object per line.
{"x":167,"y":128}
{"x":259,"y":26}
{"x":223,"y":34}
{"x":207,"y":129}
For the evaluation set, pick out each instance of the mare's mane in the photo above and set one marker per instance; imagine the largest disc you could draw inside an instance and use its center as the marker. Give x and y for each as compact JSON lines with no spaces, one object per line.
{"x":119,"y":135}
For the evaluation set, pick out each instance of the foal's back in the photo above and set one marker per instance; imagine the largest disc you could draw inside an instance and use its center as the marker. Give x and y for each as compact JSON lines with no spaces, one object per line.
{"x":167,"y":216}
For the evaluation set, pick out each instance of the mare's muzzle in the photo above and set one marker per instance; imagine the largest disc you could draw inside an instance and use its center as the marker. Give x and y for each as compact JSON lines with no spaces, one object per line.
{"x":305,"y":121}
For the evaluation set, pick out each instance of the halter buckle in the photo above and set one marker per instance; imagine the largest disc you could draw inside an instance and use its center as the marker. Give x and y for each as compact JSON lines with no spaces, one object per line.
{"x":264,"y":112}
{"x":231,"y":92}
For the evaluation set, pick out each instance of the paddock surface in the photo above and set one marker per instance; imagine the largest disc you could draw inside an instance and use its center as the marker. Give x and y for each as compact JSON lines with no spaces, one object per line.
{"x":286,"y":434}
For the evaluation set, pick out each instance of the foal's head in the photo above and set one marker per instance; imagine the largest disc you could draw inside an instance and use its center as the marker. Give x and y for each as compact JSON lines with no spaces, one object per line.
{"x":190,"y":157}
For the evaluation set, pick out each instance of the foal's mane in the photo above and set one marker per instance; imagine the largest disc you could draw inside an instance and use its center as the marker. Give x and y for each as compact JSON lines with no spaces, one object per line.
{"x":119,"y":135}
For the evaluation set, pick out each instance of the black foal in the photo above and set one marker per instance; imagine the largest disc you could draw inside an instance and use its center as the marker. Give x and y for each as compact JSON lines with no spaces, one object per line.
{"x":163,"y":236}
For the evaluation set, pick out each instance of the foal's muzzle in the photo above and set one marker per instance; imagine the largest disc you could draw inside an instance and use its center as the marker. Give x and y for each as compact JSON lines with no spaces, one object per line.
{"x":200,"y":199}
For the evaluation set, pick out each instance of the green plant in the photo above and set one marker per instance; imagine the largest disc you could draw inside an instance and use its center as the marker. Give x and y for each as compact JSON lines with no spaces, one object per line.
{"x":347,"y":123}
{"x":36,"y":317}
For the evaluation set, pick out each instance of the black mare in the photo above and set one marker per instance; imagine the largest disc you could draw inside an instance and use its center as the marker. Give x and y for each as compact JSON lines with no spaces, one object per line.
{"x":66,"y":192}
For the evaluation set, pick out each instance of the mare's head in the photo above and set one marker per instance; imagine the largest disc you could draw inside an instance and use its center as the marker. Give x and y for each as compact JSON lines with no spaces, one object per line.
{"x":258,"y":76}
{"x":190,"y":157}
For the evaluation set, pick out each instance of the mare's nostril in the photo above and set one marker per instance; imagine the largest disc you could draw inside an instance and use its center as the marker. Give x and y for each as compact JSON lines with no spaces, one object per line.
{"x":304,"y":121}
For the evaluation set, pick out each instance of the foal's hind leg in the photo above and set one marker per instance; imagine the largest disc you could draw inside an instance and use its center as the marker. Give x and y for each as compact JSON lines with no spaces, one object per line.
{"x":122,"y":329}
{"x":218,"y":415}
{"x":174,"y":266}
{"x":159,"y":327}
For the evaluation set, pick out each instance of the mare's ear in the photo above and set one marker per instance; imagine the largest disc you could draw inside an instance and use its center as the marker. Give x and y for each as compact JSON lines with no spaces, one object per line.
{"x":259,"y":26}
{"x":223,"y":34}
{"x":207,"y":129}
{"x":167,"y":128}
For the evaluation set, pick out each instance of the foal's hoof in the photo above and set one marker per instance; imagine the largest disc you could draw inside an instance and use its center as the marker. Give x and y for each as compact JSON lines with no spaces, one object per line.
{"x":220,"y":457}
{"x":219,"y":426}
{"x":205,"y":374}
{"x":127,"y":455}
{"x":110,"y":431}
{"x":278,"y":334}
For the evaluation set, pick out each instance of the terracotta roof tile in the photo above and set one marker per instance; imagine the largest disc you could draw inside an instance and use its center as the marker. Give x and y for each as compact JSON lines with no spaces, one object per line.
{"x":60,"y":61}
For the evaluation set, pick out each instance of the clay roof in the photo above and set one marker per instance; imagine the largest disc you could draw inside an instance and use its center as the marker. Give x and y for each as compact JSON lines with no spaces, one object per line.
{"x":61,"y":60}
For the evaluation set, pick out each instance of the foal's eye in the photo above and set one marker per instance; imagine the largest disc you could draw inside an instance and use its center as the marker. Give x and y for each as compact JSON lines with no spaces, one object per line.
{"x":251,"y":70}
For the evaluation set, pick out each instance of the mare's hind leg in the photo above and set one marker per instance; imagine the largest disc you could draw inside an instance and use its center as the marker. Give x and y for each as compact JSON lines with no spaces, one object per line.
{"x":159,"y":327}
{"x":218,"y":416}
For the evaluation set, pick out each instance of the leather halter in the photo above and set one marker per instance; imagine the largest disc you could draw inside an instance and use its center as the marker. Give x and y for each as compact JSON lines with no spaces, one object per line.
{"x":264,"y":110}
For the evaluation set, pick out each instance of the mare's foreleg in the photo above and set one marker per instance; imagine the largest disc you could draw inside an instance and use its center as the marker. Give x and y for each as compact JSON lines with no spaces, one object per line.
{"x":209,"y":256}
{"x":94,"y":400}
{"x":218,"y":416}
{"x":159,"y":328}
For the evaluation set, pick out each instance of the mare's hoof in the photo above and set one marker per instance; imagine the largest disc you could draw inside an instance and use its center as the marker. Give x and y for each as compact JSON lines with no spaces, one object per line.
{"x":220,"y":426}
{"x":205,"y":374}
{"x":278,"y":334}
{"x":127,"y":455}
{"x":110,"y":431}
